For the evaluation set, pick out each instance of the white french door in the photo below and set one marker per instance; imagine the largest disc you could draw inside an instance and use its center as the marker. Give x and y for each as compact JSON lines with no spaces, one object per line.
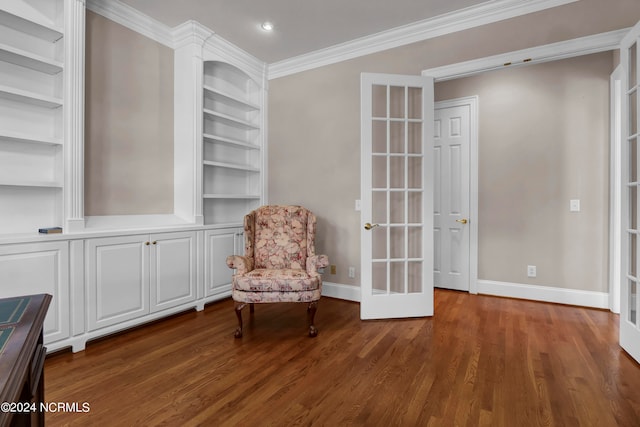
{"x":629,"y":298}
{"x":397,"y":196}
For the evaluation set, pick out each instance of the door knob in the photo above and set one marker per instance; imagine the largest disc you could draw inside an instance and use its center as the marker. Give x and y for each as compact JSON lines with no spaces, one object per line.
{"x":462,"y":221}
{"x":369,"y":226}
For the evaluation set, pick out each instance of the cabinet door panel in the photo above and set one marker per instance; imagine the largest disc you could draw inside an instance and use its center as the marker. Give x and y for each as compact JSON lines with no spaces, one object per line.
{"x":39,"y":268}
{"x":173,"y":270}
{"x":218,"y":245}
{"x":118,"y":281}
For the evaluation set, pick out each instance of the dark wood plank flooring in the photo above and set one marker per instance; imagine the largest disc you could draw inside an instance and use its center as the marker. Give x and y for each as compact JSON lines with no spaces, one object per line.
{"x":480,"y":361}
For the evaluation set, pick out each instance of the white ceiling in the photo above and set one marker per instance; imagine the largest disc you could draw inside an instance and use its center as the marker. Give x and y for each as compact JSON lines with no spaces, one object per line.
{"x":301,"y":26}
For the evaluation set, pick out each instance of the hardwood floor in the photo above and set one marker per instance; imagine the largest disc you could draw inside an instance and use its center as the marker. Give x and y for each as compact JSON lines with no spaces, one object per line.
{"x":480,"y":361}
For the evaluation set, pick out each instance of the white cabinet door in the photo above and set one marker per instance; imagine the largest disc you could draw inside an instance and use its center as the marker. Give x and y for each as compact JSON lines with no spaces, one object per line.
{"x":219,"y":244}
{"x":173,"y":269}
{"x":117,"y":279}
{"x":37,"y":268}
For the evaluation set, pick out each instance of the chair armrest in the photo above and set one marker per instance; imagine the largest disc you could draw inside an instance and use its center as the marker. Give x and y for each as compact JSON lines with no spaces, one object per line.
{"x":242,"y":264}
{"x":316,"y":262}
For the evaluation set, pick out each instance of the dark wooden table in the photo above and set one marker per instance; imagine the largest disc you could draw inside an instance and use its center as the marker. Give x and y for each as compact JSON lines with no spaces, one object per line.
{"x":22,"y":355}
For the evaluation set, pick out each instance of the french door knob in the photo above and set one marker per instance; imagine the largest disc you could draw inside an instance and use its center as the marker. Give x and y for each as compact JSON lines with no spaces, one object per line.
{"x":462,"y":221}
{"x":369,"y":226}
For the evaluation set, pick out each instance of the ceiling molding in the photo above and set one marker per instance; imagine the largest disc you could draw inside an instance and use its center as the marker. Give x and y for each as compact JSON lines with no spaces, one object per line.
{"x":551,"y":52}
{"x":184,"y":34}
{"x":133,"y":19}
{"x":222,"y":48}
{"x":485,"y":13}
{"x":190,"y":32}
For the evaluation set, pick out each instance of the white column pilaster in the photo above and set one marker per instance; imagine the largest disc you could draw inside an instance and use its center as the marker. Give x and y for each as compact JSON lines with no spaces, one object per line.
{"x":74,"y":60}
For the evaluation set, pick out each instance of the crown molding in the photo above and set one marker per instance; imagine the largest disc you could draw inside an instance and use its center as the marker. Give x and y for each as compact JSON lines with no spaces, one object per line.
{"x":550,"y":52}
{"x":190,"y":32}
{"x":485,"y":13}
{"x":631,"y":36}
{"x":218,"y":47}
{"x":133,"y":19}
{"x":187,"y":33}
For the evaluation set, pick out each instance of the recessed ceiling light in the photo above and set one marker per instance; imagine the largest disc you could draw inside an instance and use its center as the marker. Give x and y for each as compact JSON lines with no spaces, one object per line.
{"x":267,"y":26}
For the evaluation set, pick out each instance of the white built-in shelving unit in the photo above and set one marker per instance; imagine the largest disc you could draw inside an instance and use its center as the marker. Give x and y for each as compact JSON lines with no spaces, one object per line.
{"x":31,"y":114}
{"x":232,"y":143}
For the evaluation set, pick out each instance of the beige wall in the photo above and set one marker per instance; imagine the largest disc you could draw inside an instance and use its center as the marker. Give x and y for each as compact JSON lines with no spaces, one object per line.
{"x":543,"y":140}
{"x":128,"y":121}
{"x":314,"y":127}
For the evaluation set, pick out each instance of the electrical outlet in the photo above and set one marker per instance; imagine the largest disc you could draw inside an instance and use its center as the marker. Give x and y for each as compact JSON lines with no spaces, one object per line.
{"x":333,"y":269}
{"x":531,"y":271}
{"x":574,"y":205}
{"x":352,"y":272}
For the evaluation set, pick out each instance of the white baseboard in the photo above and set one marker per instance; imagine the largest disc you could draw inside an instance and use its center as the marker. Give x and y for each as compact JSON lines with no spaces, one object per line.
{"x":340,"y":291}
{"x":502,"y":289}
{"x":544,"y":293}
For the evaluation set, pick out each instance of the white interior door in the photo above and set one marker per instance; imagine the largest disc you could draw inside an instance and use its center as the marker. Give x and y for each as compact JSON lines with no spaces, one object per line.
{"x":629,"y":300}
{"x":397,"y":196}
{"x":451,"y":145}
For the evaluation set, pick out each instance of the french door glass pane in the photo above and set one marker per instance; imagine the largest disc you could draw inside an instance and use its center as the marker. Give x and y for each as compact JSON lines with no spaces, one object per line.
{"x":415,"y":172}
{"x":415,"y":102}
{"x":379,"y":165}
{"x":633,"y":160}
{"x":414,"y":138}
{"x":633,"y":66}
{"x":379,"y":136}
{"x":379,"y":101}
{"x":632,"y":255}
{"x":633,"y":207}
{"x":415,"y":207}
{"x":397,"y":277}
{"x":415,"y":277}
{"x":379,"y":278}
{"x":379,"y":207}
{"x":396,"y":166}
{"x":396,"y":137}
{"x":379,"y":241}
{"x":633,"y":113}
{"x":633,"y":298}
{"x":396,"y":198}
{"x":397,"y":242}
{"x":396,"y":102}
{"x":414,"y":236}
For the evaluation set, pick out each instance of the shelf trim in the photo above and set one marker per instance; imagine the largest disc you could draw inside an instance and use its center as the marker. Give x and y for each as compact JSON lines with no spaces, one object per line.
{"x":20,"y":95}
{"x":230,"y":166}
{"x":30,"y":60}
{"x":231,"y":196}
{"x":42,"y":30}
{"x":25,"y":138}
{"x":26,"y":183}
{"x":238,"y":100}
{"x":233,"y":120}
{"x":230,"y":141}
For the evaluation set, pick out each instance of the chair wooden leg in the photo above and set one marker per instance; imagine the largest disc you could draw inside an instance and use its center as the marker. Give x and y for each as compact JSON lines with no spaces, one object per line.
{"x":238,"y":308}
{"x":311,"y":314}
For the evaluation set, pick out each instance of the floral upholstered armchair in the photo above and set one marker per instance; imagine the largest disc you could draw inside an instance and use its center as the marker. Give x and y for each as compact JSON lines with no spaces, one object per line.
{"x":279,"y":262}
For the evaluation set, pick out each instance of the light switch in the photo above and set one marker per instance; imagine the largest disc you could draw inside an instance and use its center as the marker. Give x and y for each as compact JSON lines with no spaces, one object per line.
{"x":358,"y":207}
{"x":574,"y":205}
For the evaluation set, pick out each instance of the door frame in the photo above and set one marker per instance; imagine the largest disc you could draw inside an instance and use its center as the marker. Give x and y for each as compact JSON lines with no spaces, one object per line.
{"x":616,"y":121}
{"x":608,"y":41}
{"x":473,"y":103}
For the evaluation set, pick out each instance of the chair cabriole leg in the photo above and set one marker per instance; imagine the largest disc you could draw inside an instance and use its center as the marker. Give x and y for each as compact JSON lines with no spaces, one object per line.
{"x":238,"y":308}
{"x":311,"y":314}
